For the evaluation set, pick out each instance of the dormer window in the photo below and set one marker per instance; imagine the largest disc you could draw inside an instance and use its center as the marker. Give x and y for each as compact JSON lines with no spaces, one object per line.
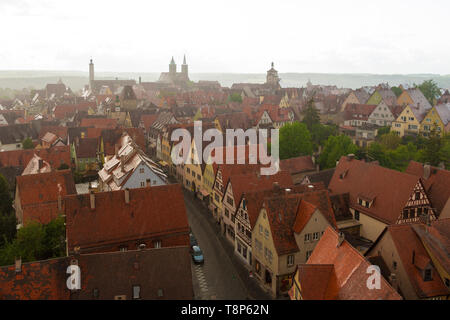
{"x":427,"y":274}
{"x":343,"y":174}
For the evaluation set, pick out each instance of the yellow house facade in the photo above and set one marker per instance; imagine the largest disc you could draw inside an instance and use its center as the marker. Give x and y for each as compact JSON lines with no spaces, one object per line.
{"x":406,"y":123}
{"x":433,"y":121}
{"x":193,"y":172}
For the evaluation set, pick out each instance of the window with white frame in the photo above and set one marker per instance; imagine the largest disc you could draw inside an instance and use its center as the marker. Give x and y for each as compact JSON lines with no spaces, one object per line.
{"x":290,"y":260}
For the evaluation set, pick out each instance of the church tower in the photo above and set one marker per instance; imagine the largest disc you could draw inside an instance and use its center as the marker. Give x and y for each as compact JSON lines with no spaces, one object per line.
{"x":91,"y":75}
{"x":272,"y":78}
{"x":184,"y":69}
{"x":172,"y":68}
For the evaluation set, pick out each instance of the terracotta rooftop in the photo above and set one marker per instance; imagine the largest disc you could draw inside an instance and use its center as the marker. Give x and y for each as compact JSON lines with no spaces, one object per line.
{"x":151,"y":211}
{"x":349,"y":268}
{"x":167,"y":270}
{"x":389,"y":189}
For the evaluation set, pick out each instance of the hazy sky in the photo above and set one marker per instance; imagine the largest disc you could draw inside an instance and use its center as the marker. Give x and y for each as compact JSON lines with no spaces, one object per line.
{"x":346,"y":36}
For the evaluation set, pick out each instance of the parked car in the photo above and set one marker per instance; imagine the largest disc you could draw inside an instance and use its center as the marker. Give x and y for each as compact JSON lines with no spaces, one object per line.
{"x":192,"y":240}
{"x":197,"y":255}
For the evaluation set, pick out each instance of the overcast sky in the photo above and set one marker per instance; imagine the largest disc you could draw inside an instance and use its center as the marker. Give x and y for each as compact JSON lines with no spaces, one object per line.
{"x":327,"y":36}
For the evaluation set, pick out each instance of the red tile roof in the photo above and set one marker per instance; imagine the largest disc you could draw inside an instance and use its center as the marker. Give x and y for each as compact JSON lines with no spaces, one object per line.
{"x":148,"y":119}
{"x":406,"y":241}
{"x":55,"y":156}
{"x":358,"y":111}
{"x":437,"y":185}
{"x":350,"y":269}
{"x":297,"y":165}
{"x":318,"y":282}
{"x":151,"y":212}
{"x":39,"y":194}
{"x":284,"y":214}
{"x":59,"y":131}
{"x":103,"y":123}
{"x":68,"y":110}
{"x":389,"y":189}
{"x":112,"y":274}
{"x":242,"y":182}
{"x":86,"y":148}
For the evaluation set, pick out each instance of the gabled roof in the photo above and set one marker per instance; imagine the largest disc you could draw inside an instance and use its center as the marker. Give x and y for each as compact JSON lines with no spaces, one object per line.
{"x":318,"y":281}
{"x":323,"y":176}
{"x":103,"y":123}
{"x":350,"y":272}
{"x":151,"y":212}
{"x":39,"y":194}
{"x":168,"y":269}
{"x":361,"y":95}
{"x":419,"y":99}
{"x":285,"y":213}
{"x":55,"y":156}
{"x":437,"y":185}
{"x":37,"y":165}
{"x":443,"y":111}
{"x":16,"y":133}
{"x":253,"y":181}
{"x":406,"y":241}
{"x":389,"y":189}
{"x":298,"y":164}
{"x":388,"y":96}
{"x":86,"y":147}
{"x":354,"y":111}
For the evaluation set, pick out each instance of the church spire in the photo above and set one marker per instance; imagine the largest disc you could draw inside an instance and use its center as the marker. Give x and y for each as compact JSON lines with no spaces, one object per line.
{"x":184,"y":59}
{"x":172,"y":61}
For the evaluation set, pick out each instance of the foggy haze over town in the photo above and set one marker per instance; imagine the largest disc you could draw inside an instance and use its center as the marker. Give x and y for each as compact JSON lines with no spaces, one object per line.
{"x":227,"y":36}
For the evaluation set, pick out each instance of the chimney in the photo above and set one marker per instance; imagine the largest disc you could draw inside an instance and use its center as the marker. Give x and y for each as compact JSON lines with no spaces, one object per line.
{"x":276,"y":186}
{"x":59,"y":202}
{"x":393,"y":281}
{"x":41,"y":164}
{"x":340,"y":239}
{"x":426,"y":171}
{"x":122,"y":162}
{"x":350,"y":157}
{"x":127,"y":195}
{"x":18,"y":264}
{"x":140,"y":80}
{"x":116,"y":150}
{"x":92,"y":198}
{"x":148,"y":183}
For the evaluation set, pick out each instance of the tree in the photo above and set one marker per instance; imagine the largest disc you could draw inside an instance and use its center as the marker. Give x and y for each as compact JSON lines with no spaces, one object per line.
{"x":430,"y":90}
{"x":431,"y":153}
{"x":27,"y":143}
{"x":320,"y":133}
{"x":445,"y":151}
{"x":383,"y":130}
{"x":7,"y":216}
{"x":35,"y":241}
{"x":235,"y":97}
{"x":398,"y":91}
{"x":54,"y":239}
{"x":334,"y":149}
{"x":295,"y":140}
{"x":390,"y":140}
{"x":311,"y":116}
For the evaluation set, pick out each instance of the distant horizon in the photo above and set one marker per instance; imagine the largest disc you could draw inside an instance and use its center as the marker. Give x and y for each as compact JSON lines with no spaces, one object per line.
{"x":226,"y":72}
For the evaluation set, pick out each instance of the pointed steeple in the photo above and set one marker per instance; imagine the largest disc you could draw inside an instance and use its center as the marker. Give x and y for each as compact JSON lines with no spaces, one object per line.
{"x":184,"y":59}
{"x":172,"y":61}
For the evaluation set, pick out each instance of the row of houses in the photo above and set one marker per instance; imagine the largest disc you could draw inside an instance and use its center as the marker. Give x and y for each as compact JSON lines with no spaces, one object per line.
{"x":408,"y":114}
